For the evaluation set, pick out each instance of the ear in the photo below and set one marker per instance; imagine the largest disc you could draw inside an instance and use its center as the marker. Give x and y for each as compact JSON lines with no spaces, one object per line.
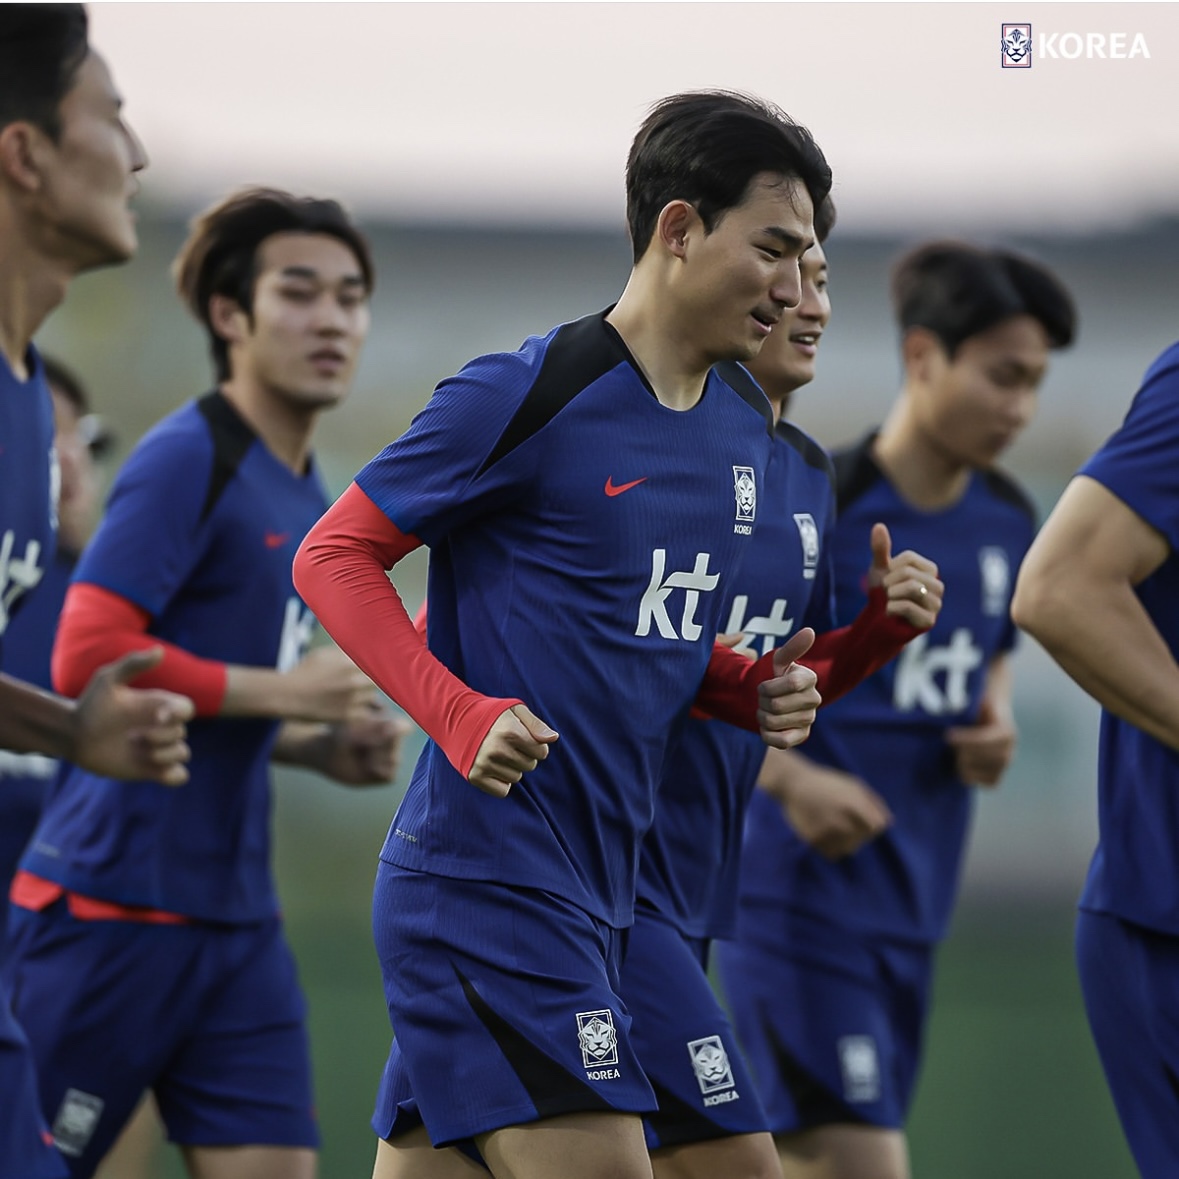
{"x":922,"y":354}
{"x":227,"y":319}
{"x":22,"y":151}
{"x":677,"y":220}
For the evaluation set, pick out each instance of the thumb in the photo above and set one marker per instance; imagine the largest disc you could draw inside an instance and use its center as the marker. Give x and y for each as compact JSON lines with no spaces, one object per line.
{"x":124,"y":670}
{"x":793,"y":649}
{"x":881,"y":548}
{"x":537,"y":729}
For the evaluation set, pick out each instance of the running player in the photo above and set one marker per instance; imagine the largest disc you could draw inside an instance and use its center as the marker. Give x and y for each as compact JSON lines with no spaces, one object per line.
{"x":586,"y":500}
{"x":1098,"y":590}
{"x":829,"y":976}
{"x":79,"y":438}
{"x":710,"y":1121}
{"x":67,"y":171}
{"x":138,"y":908}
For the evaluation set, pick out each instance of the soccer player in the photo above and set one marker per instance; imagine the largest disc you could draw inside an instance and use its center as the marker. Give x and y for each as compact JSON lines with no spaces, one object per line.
{"x":1098,"y":590}
{"x":79,"y":439}
{"x":146,"y":950}
{"x":828,"y":978}
{"x":67,"y":172}
{"x":586,"y":500}
{"x":710,"y":1121}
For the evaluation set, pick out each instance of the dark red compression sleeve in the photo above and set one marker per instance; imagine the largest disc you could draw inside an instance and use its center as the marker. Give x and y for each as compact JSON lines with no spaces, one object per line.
{"x":840,"y":658}
{"x":340,"y":572}
{"x":97,"y":627}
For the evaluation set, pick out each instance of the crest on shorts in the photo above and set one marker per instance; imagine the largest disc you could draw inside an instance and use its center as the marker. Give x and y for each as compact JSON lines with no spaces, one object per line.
{"x":995,"y":571}
{"x":76,"y":1121}
{"x":808,"y":533}
{"x":598,"y":1038}
{"x":860,"y":1067}
{"x":710,"y":1063}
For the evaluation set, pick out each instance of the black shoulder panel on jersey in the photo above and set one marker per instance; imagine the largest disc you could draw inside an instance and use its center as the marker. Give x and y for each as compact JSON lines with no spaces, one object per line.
{"x":855,"y":472}
{"x":232,"y":438}
{"x":739,"y":378}
{"x":1003,"y":487}
{"x":580,"y":353}
{"x":814,"y":455}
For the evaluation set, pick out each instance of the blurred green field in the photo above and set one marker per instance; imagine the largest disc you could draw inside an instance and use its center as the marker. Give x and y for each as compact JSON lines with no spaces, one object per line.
{"x":1012,"y":1088}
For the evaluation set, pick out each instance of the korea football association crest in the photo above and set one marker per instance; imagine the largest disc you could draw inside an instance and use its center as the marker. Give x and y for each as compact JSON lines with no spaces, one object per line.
{"x":598,"y":1039}
{"x":714,"y":1074}
{"x":860,"y":1066}
{"x":808,"y":533}
{"x":995,"y":573}
{"x":745,"y":489}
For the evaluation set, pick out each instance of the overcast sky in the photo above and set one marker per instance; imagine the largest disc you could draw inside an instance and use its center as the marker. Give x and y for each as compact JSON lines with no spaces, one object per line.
{"x":523,"y":112}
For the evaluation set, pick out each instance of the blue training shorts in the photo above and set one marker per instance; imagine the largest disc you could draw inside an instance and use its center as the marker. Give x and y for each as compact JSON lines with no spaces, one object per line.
{"x":1130,"y":982}
{"x":210,"y":1018}
{"x":831,"y":1023}
{"x":684,"y":1039}
{"x":505,"y":1009}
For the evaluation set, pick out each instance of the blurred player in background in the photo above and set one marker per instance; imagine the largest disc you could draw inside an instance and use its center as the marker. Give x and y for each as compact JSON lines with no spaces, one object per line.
{"x":586,"y":500}
{"x":710,"y":1121}
{"x":67,"y":172}
{"x":1099,"y":591}
{"x":829,"y":976}
{"x":146,"y":950}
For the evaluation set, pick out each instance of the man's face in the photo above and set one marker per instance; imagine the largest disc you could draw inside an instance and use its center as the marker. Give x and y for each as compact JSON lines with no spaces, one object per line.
{"x":737,"y":281}
{"x":309,"y":318}
{"x":89,"y":174}
{"x":787,"y":359}
{"x":77,"y":507}
{"x":975,"y":406}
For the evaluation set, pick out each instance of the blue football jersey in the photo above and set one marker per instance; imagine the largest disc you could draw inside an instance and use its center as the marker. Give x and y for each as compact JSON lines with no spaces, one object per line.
{"x":29,"y":487}
{"x":200,"y":532}
{"x":583,"y":537}
{"x":890,"y":730}
{"x":1135,"y":870}
{"x":688,"y":869}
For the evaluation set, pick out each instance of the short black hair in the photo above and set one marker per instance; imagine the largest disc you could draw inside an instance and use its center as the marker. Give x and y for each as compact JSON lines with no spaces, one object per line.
{"x":220,"y":256}
{"x":956,"y":290}
{"x":705,"y":147}
{"x":94,"y":431}
{"x":824,"y":218}
{"x":42,"y":47}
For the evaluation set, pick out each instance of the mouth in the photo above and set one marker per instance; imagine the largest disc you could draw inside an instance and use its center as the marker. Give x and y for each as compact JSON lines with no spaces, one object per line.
{"x":765,"y":321}
{"x":806,"y":342}
{"x":328,"y":361}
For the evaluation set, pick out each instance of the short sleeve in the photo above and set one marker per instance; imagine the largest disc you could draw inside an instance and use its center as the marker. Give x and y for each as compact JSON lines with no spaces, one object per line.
{"x":451,"y":465}
{"x":1140,"y":462}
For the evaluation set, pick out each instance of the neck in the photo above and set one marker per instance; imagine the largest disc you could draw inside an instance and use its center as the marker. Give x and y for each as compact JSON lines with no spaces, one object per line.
{"x":923,"y":473}
{"x":285,"y":429}
{"x":666,"y":355}
{"x":31,"y":286}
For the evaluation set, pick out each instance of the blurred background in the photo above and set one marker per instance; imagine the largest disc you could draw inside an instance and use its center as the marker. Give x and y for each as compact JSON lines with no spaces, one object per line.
{"x":482,"y":146}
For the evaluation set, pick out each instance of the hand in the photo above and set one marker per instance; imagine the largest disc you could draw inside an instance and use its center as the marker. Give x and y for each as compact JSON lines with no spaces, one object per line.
{"x":514,"y":745}
{"x":131,"y":733}
{"x":787,"y":703}
{"x":835,"y":813}
{"x":329,"y":687}
{"x":984,"y":750}
{"x":910,"y":580}
{"x":365,"y":751}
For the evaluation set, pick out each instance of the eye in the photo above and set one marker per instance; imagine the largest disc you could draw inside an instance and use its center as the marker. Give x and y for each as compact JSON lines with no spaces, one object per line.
{"x":771,"y":252}
{"x":298,"y":294}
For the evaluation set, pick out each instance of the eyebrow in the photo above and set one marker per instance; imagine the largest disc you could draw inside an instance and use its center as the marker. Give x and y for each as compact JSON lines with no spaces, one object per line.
{"x":313,"y":275}
{"x":787,"y":238}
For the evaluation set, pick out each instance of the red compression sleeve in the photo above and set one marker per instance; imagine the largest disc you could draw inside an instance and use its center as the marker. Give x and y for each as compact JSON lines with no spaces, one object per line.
{"x":340,"y":572}
{"x":97,"y":627}
{"x":840,"y":658}
{"x":845,"y":657}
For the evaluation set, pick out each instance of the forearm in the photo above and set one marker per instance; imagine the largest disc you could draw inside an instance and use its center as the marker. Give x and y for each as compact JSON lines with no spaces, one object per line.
{"x":34,"y":721}
{"x":1101,"y":635}
{"x":302,"y":743}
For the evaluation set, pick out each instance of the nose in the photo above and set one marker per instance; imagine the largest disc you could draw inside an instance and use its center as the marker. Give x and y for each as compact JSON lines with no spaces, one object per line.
{"x":787,"y":288}
{"x":139,"y":159}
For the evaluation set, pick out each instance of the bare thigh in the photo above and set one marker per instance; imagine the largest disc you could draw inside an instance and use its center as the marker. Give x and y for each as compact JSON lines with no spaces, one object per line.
{"x":410,"y":1156}
{"x":844,"y":1152}
{"x":250,"y":1162}
{"x":572,"y":1146}
{"x":739,"y":1156}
